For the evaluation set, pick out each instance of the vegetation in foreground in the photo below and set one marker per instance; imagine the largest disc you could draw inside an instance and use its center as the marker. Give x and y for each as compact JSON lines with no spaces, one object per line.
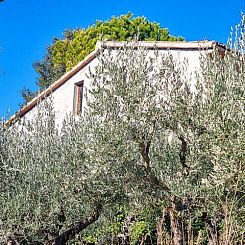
{"x":153,"y":161}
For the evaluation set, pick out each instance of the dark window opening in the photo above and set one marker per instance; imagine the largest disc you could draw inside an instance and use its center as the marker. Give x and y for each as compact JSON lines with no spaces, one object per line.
{"x":78,"y":98}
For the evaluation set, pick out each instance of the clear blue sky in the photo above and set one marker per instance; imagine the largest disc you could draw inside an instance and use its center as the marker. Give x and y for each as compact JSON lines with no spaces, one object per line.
{"x":27,"y":27}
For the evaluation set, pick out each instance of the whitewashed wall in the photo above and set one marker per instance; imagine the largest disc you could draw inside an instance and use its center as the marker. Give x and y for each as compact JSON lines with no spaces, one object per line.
{"x":63,"y":97}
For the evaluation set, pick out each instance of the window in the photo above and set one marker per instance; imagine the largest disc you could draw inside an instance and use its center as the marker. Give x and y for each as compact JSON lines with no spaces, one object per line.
{"x":78,"y":98}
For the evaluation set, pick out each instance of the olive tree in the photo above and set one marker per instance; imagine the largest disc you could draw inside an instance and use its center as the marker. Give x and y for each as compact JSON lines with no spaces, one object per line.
{"x":150,"y":136}
{"x":51,"y":179}
{"x":178,"y":146}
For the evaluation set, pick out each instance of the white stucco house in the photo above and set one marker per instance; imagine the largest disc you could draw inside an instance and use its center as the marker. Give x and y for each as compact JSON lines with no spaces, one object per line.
{"x":68,"y":91}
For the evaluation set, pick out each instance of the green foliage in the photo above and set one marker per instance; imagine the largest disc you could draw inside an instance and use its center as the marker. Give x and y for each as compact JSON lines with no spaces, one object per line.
{"x":137,"y":231}
{"x":70,"y":51}
{"x":150,"y":137}
{"x":89,"y":239}
{"x":144,"y":226}
{"x":46,"y":70}
{"x":27,"y":94}
{"x":114,"y":228}
{"x":65,"y":53}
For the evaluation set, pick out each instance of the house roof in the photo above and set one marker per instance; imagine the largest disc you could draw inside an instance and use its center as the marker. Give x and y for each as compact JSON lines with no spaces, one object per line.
{"x":166,"y":45}
{"x":179,"y":45}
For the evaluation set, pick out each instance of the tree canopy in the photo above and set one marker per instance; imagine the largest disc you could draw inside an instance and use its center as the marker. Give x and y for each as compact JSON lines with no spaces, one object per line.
{"x":65,"y":53}
{"x":147,"y":141}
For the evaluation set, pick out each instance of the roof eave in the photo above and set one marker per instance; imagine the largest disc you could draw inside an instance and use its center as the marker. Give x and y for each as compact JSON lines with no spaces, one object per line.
{"x":30,"y":105}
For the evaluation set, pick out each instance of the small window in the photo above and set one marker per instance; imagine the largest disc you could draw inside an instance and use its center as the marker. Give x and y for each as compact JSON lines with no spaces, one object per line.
{"x":78,"y":98}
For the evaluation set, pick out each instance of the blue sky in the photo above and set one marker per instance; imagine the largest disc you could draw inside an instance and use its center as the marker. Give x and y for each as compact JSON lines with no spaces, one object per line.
{"x":27,"y":27}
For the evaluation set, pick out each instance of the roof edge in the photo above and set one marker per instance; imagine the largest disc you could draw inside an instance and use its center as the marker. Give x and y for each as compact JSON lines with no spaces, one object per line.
{"x":167,"y":45}
{"x":52,"y":87}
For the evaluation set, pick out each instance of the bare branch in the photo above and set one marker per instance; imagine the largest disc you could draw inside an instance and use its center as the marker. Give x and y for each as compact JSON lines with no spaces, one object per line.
{"x":77,"y":228}
{"x":144,"y":150}
{"x":182,"y":154}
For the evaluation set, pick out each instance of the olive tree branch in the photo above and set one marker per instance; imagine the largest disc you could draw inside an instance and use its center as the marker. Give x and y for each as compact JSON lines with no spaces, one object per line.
{"x":70,"y":233}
